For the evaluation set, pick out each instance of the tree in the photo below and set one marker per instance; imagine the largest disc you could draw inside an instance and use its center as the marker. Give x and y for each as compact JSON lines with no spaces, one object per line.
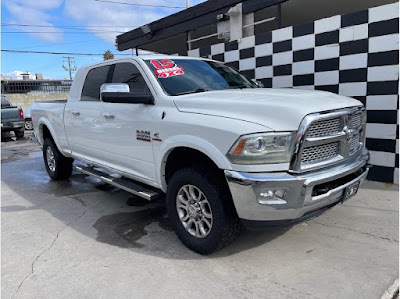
{"x":108,"y":55}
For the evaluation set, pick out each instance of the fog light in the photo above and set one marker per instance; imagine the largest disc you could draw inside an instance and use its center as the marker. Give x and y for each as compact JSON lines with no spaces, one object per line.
{"x":272,"y":196}
{"x":267,"y":194}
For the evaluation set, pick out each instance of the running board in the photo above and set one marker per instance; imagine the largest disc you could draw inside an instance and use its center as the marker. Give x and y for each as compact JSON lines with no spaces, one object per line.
{"x":125,"y":184}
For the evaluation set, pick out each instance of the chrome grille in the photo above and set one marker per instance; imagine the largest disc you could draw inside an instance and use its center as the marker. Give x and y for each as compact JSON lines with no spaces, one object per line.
{"x":320,"y":153}
{"x":353,"y":144}
{"x":326,"y":138}
{"x":325,"y":127}
{"x":355,"y":120}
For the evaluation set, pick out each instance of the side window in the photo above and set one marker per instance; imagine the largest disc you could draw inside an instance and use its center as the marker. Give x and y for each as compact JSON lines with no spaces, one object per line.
{"x":129,"y":74}
{"x":94,"y":79}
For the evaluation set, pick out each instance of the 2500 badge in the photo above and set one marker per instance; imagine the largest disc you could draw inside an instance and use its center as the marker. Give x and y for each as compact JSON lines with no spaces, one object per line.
{"x":143,"y":135}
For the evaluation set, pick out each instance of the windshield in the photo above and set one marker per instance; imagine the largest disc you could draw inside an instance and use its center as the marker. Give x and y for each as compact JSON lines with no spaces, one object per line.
{"x":183,"y":76}
{"x":4,"y":102}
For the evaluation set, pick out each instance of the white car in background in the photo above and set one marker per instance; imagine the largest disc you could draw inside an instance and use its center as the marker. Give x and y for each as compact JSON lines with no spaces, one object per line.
{"x":28,"y":119}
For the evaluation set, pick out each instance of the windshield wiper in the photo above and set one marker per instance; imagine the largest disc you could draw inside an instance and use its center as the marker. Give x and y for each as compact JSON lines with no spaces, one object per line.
{"x":191,"y":91}
{"x":241,"y":86}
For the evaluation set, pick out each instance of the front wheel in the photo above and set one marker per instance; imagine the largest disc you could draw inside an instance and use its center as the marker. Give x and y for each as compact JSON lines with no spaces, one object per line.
{"x":58,"y":167}
{"x":201,"y":211}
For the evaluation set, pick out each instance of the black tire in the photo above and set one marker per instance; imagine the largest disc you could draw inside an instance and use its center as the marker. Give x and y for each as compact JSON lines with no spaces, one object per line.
{"x":226,"y":225}
{"x":19,"y":133}
{"x":62,"y":165}
{"x":28,"y":124}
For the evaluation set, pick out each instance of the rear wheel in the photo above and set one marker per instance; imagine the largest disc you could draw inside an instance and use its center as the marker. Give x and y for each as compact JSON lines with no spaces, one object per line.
{"x":28,"y":124}
{"x":58,"y":167}
{"x":19,"y":133}
{"x":201,"y":210}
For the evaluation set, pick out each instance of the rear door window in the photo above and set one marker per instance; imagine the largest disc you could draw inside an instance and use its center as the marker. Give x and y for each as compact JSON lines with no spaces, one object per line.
{"x":94,"y":79}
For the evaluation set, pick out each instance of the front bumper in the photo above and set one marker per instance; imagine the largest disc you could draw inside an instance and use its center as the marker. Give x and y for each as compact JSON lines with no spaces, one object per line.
{"x":301,"y":200}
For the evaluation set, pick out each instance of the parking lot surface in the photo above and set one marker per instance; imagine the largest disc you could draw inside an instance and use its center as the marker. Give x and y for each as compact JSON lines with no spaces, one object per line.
{"x":84,"y":239}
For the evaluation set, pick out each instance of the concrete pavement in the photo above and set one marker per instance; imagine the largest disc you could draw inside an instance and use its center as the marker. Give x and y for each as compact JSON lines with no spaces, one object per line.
{"x":84,"y":239}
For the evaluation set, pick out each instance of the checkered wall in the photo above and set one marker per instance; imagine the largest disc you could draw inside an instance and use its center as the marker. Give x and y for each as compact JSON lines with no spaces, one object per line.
{"x":355,"y":55}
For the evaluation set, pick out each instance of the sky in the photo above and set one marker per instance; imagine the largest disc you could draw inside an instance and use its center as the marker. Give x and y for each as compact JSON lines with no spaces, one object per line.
{"x":78,"y":26}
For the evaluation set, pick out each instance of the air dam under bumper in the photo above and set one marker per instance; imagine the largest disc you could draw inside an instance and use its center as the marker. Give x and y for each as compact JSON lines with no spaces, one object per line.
{"x":307,"y":194}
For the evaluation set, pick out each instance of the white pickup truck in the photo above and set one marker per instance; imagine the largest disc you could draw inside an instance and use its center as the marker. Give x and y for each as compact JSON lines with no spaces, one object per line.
{"x":226,"y":152}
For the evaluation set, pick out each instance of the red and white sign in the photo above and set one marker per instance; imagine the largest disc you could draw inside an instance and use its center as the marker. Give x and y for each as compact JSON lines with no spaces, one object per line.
{"x":166,"y":68}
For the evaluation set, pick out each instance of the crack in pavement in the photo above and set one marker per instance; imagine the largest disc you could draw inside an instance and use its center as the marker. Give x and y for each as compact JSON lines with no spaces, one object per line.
{"x":356,"y":231}
{"x":52,"y":244}
{"x":76,"y":198}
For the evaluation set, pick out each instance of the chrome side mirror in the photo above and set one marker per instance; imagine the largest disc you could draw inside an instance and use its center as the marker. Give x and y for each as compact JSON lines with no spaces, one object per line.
{"x":113,"y":87}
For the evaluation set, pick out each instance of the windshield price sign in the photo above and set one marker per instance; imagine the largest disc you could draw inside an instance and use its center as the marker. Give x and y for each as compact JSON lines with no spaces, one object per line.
{"x":166,"y":68}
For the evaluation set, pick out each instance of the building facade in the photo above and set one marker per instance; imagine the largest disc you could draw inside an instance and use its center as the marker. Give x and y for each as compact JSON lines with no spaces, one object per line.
{"x":354,"y":54}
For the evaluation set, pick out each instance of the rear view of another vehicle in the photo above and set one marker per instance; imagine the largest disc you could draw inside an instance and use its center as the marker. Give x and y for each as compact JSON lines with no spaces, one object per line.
{"x":28,"y":119}
{"x":12,"y":118}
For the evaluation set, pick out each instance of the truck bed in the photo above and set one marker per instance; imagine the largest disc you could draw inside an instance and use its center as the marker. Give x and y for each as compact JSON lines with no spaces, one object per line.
{"x":52,"y":111}
{"x":54,"y":101}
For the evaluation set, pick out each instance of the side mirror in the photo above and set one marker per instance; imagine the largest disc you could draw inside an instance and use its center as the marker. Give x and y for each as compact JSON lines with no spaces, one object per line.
{"x":114,"y":87}
{"x":120,"y":93}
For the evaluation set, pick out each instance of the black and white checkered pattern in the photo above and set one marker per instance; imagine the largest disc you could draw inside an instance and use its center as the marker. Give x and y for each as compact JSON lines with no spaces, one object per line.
{"x":355,"y":55}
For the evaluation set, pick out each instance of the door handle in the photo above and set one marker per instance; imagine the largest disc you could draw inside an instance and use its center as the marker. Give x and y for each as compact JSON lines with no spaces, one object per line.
{"x":76,"y":113}
{"x":109,"y":116}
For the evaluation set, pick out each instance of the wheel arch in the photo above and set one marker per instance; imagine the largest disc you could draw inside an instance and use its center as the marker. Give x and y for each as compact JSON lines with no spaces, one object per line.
{"x":46,"y":130}
{"x":177,"y":152}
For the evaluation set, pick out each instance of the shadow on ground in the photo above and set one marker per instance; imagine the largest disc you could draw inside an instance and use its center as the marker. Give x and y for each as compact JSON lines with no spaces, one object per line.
{"x":146,"y":229}
{"x":127,"y":229}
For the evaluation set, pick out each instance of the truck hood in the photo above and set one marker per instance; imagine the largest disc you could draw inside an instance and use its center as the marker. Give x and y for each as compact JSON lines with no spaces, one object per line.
{"x":277,"y":109}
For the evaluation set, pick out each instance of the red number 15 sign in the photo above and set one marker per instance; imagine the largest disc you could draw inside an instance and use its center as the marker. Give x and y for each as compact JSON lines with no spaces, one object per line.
{"x":166,"y":68}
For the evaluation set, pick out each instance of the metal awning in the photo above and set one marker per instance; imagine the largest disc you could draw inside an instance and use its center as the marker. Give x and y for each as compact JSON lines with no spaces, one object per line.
{"x":186,"y":20}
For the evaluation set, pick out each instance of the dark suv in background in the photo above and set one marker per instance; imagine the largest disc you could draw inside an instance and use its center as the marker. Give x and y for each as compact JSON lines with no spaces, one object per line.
{"x":12,"y":118}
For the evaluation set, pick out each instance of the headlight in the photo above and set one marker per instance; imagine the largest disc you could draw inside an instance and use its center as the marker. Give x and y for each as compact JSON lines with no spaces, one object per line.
{"x":262,"y":148}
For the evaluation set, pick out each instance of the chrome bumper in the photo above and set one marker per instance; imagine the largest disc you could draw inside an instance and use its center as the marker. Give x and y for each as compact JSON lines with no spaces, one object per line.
{"x":12,"y":125}
{"x":299,"y":200}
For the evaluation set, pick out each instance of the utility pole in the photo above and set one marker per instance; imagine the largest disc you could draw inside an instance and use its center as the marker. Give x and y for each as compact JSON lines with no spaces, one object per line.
{"x":71,"y":65}
{"x":187,"y":4}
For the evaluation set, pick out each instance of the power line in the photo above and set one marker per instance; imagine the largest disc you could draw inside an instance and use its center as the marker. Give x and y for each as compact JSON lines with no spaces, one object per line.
{"x":63,"y":26}
{"x":58,"y":53}
{"x":137,"y":4}
{"x":55,"y":26}
{"x":63,"y":32}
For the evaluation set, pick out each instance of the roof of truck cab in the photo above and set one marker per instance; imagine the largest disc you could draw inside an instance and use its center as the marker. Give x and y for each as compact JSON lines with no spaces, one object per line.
{"x":142,"y":57}
{"x":153,"y":56}
{"x":160,"y":56}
